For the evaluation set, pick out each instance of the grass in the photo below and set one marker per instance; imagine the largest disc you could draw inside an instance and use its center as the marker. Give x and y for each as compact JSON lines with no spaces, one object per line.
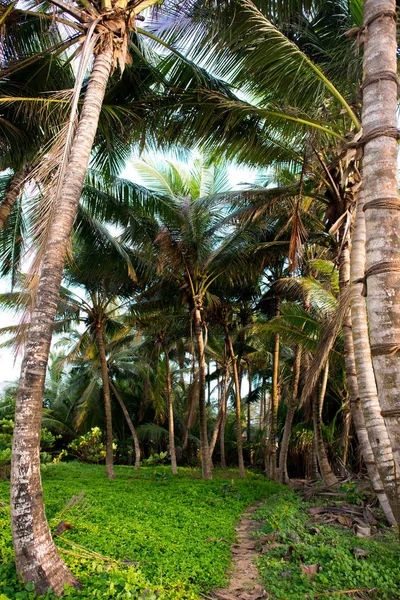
{"x":158,"y":536}
{"x":287,"y":520}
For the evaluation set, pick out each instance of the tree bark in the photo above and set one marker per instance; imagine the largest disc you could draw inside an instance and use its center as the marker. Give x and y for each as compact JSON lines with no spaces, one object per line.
{"x":238,"y":403}
{"x":171,"y":428}
{"x":220,"y":418}
{"x":12,"y":194}
{"x":274,"y":408}
{"x":107,"y":401}
{"x":283,"y":474}
{"x":249,"y":409}
{"x":205,"y":449}
{"x":36,"y":556}
{"x":351,"y":373}
{"x":327,"y":474}
{"x":224,"y":400}
{"x":130,"y":425}
{"x":382,"y":455}
{"x":382,"y":215}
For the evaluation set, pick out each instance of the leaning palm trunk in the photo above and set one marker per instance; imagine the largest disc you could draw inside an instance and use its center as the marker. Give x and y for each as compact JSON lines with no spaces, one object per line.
{"x":107,"y":401}
{"x":371,"y":412}
{"x":238,"y":403}
{"x":283,"y":474}
{"x":351,"y":374}
{"x":382,"y":216}
{"x":12,"y":194}
{"x":204,"y":446}
{"x":318,"y":400}
{"x":171,"y":428}
{"x":36,"y":556}
{"x":130,"y":425}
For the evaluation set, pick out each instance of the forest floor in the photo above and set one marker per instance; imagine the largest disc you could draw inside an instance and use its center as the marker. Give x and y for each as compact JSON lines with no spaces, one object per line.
{"x":150,"y":536}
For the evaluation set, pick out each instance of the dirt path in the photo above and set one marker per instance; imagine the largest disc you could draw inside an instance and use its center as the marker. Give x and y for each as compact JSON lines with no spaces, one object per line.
{"x":244,"y":577}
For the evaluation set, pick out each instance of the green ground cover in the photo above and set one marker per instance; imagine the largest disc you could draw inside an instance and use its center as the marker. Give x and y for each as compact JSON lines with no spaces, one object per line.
{"x":288,"y":525}
{"x":170,"y":536}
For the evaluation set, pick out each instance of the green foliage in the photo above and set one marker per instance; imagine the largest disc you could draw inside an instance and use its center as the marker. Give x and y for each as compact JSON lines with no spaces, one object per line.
{"x":287,"y":519}
{"x":155,"y":459}
{"x":89,"y":448}
{"x":47,"y":440}
{"x":144,"y":535}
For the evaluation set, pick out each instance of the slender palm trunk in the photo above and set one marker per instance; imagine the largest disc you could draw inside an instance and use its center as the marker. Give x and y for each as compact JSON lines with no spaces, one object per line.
{"x":249,"y":410}
{"x":107,"y":401}
{"x":385,"y":484}
{"x":220,"y":418}
{"x":274,"y":408}
{"x":204,"y":446}
{"x":12,"y":194}
{"x":382,"y":215}
{"x":36,"y":556}
{"x":224,"y":400}
{"x":130,"y":424}
{"x":318,"y":400}
{"x":238,"y":403}
{"x":171,"y":428}
{"x":283,"y":474}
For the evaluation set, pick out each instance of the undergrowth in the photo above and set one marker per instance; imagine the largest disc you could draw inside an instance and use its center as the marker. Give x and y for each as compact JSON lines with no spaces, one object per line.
{"x":295,"y":539}
{"x":145,"y":535}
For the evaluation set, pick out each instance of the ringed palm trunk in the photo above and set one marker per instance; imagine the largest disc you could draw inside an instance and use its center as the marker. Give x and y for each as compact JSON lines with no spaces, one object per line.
{"x":351,"y":369}
{"x":36,"y":556}
{"x":283,"y":474}
{"x":382,"y":215}
{"x":130,"y":424}
{"x":205,"y":449}
{"x":107,"y":401}
{"x":12,"y":194}
{"x":238,"y":403}
{"x":377,"y":433}
{"x":327,"y":474}
{"x":171,"y":428}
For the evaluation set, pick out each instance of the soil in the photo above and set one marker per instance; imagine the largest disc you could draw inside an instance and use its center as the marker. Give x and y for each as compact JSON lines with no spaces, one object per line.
{"x":244,"y":577}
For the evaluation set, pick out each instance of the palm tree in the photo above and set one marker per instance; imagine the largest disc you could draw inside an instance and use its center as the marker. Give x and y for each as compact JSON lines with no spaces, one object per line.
{"x":382,"y":219}
{"x":107,"y":36}
{"x":194,"y":251}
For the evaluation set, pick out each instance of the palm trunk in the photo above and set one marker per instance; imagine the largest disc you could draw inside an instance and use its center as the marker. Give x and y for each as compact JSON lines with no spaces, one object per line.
{"x":350,"y":362}
{"x":224,"y":400}
{"x":379,"y":442}
{"x":238,"y":403}
{"x":274,"y":408}
{"x":382,"y":216}
{"x":171,"y":428}
{"x":283,"y":474}
{"x":318,"y":400}
{"x":107,"y":401}
{"x":130,"y":425}
{"x":12,"y":194}
{"x":36,"y":556}
{"x":205,"y":449}
{"x":220,"y":418}
{"x":249,"y":411}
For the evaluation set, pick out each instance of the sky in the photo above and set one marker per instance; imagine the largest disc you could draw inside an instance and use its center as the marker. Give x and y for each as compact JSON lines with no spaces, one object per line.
{"x":10,"y":365}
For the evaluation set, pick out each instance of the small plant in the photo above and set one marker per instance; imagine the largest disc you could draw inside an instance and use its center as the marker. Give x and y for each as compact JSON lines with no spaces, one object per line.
{"x":155,"y":459}
{"x":88,"y":448}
